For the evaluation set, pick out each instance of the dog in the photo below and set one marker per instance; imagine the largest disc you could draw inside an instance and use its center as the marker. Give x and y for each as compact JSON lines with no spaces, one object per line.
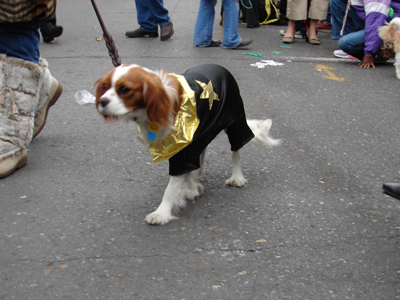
{"x":391,"y":33}
{"x":177,"y":117}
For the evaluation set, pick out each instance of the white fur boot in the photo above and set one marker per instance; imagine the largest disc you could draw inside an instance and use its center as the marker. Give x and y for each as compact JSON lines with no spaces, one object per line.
{"x":49,"y":93}
{"x":24,"y":91}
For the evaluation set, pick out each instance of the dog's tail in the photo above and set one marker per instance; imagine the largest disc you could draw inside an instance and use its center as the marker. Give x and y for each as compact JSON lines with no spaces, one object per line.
{"x":261,"y":129}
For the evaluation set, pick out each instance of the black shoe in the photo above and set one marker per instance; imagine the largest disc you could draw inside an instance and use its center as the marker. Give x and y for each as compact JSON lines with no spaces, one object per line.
{"x":243,"y":43}
{"x":141,"y":33}
{"x":166,"y":31}
{"x":52,"y":32}
{"x":392,"y":189}
{"x":253,"y":25}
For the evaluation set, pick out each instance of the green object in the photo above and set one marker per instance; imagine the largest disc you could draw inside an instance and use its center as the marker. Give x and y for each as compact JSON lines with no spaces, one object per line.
{"x":391,"y":12}
{"x":253,"y":54}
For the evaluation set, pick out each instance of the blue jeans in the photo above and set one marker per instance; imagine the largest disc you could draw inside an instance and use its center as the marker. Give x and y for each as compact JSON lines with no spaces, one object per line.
{"x":353,"y":38}
{"x":20,"y":40}
{"x":151,"y":13}
{"x":205,"y":21}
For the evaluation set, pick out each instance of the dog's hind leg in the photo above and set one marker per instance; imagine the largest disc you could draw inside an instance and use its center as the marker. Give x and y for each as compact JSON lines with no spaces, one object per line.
{"x":237,"y":178}
{"x":173,"y":199}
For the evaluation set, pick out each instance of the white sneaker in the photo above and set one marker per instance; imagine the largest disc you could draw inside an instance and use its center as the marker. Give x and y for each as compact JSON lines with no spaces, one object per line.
{"x":341,"y":54}
{"x":297,"y":34}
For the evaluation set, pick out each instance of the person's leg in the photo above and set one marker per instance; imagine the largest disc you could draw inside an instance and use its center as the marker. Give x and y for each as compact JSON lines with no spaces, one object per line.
{"x":353,"y":44}
{"x":49,"y":29}
{"x":145,"y":17}
{"x":20,"y":40}
{"x":231,"y":36}
{"x":158,"y":11}
{"x":203,"y":29}
{"x":338,"y":11}
{"x":290,"y":31}
{"x":250,"y":9}
{"x":296,"y":11}
{"x":317,"y":11}
{"x":27,"y":90}
{"x":158,"y":16}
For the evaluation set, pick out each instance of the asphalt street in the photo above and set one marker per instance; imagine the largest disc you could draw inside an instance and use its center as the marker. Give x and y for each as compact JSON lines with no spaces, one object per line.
{"x":312,"y":222}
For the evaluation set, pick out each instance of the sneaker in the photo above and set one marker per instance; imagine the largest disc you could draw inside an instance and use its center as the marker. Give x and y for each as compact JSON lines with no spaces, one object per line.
{"x":324,"y":27}
{"x":342,"y":54}
{"x":297,"y":34}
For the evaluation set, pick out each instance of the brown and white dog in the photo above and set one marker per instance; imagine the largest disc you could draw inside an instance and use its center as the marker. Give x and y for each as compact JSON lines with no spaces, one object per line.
{"x":391,"y":33}
{"x":177,"y":117}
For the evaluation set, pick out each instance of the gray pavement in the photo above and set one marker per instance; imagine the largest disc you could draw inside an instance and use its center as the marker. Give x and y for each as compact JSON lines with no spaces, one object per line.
{"x":312,"y":223}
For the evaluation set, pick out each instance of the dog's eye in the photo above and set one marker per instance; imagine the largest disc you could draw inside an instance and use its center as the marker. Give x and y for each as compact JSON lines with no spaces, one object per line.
{"x":104,"y":86}
{"x":124,"y":90}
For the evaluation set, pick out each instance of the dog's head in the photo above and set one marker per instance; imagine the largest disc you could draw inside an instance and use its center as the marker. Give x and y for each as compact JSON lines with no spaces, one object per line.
{"x":391,"y":33}
{"x":133,"y":92}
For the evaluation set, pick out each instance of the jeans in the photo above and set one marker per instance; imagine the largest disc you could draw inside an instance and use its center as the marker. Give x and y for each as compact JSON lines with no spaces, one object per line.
{"x":151,"y":13}
{"x":338,"y":11}
{"x":205,"y":21}
{"x":352,"y":41}
{"x":20,"y":40}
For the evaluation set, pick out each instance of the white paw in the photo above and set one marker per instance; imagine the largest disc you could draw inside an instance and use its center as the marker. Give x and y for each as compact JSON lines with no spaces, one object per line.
{"x":236,"y":181}
{"x":156,"y":218}
{"x":197,"y":191}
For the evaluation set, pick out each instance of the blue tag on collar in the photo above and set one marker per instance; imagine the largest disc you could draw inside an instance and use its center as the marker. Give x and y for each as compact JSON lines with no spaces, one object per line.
{"x":151,"y":135}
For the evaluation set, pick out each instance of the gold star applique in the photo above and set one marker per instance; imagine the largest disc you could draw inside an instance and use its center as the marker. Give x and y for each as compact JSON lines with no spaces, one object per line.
{"x":208,"y":93}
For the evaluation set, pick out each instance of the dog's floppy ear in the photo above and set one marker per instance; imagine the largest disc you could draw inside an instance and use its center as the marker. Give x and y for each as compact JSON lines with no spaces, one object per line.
{"x":158,"y":104}
{"x":386,"y":32}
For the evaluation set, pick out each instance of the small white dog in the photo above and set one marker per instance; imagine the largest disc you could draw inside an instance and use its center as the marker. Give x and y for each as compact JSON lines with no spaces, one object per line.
{"x":391,"y":33}
{"x":177,"y":117}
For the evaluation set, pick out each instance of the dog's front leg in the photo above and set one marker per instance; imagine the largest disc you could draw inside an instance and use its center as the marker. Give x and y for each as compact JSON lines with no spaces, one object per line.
{"x":172,"y":200}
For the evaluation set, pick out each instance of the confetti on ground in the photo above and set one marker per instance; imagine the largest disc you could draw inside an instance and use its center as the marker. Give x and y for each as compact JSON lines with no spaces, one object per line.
{"x":263,"y":63}
{"x":253,"y":54}
{"x":277,"y":52}
{"x":283,"y":46}
{"x":99,"y":39}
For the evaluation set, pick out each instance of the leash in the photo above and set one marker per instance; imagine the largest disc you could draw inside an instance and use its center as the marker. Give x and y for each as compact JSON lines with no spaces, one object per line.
{"x":112,"y":49}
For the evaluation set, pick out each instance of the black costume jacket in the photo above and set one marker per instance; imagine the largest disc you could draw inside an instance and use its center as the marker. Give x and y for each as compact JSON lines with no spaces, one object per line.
{"x":227,"y":113}
{"x":218,"y":105}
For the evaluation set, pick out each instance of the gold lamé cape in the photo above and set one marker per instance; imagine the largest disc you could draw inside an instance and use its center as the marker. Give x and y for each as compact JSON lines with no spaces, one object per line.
{"x":212,"y":103}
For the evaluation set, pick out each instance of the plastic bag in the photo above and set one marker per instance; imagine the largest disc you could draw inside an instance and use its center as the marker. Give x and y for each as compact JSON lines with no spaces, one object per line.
{"x":84,"y":97}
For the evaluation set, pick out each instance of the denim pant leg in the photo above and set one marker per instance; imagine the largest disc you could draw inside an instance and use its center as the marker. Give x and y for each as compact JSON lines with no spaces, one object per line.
{"x":203,"y":30}
{"x":231,"y":36}
{"x":353,"y":44}
{"x":338,"y":11}
{"x":151,"y":13}
{"x":20,"y":40}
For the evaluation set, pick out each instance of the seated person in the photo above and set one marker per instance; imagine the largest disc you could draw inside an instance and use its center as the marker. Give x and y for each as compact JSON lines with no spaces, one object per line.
{"x":358,"y":33}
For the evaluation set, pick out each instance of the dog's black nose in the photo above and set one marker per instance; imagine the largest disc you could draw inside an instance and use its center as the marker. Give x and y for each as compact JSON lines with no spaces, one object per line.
{"x":104,"y":102}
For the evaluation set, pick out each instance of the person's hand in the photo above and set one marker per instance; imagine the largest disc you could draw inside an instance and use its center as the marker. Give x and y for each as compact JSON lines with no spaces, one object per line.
{"x":367,"y":62}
